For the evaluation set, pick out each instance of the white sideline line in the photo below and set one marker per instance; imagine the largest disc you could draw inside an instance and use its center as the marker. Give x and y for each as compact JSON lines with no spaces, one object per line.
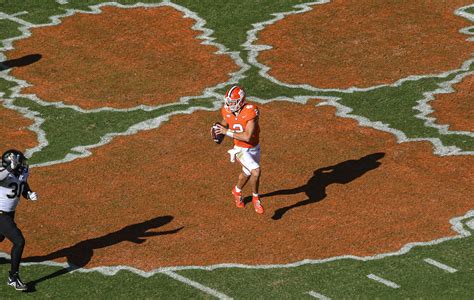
{"x":318,"y":295}
{"x":383,"y":281}
{"x":196,"y":285}
{"x":440,"y":265}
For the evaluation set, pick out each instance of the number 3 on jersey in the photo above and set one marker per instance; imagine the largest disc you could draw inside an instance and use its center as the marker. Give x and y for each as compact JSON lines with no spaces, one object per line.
{"x":17,"y":189}
{"x":238,"y":128}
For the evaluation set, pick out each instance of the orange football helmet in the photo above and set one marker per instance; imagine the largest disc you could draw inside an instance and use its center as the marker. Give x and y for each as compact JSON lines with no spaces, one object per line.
{"x":234,"y":99}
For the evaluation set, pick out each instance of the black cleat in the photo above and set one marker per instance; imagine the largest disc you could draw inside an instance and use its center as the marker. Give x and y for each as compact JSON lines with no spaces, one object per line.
{"x":16,"y":282}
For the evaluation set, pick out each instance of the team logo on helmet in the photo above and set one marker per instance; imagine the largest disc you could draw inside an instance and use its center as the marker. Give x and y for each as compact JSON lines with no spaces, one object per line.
{"x":234,"y":99}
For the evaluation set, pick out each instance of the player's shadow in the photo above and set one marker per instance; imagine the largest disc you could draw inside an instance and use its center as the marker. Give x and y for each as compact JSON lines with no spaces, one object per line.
{"x":79,"y":255}
{"x":315,"y":188}
{"x":20,"y":62}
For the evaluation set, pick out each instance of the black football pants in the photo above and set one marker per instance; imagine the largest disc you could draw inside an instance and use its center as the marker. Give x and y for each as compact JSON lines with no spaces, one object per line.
{"x":9,"y":230}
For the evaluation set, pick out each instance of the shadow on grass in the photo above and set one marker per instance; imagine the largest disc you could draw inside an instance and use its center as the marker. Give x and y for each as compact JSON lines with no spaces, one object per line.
{"x":79,"y":255}
{"x":20,"y":62}
{"x":315,"y":188}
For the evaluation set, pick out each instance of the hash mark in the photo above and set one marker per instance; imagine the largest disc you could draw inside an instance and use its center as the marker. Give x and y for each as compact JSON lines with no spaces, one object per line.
{"x":440,"y":265}
{"x":318,"y":295}
{"x":196,"y":285}
{"x":383,"y":281}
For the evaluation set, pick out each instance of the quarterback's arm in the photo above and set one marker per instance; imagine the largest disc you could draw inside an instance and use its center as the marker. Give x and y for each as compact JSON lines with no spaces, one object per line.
{"x":224,"y":123}
{"x":244,"y":136}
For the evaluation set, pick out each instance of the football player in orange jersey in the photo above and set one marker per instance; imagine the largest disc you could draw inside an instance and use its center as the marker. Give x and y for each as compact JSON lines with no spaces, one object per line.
{"x":240,"y":122}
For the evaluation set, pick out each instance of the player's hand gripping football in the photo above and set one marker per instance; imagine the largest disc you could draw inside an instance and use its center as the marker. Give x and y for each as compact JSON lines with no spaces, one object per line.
{"x":216,"y":134}
{"x":220,"y":129}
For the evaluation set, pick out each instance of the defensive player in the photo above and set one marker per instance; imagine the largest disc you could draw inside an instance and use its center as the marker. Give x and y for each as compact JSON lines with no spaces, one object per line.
{"x":240,"y":122}
{"x":13,"y":183}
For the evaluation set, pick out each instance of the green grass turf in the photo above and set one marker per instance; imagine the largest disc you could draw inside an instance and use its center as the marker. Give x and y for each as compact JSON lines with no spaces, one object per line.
{"x":39,"y":11}
{"x":225,"y":17}
{"x":394,"y":106}
{"x":5,"y":87}
{"x":67,"y":128}
{"x":230,"y":20}
{"x":258,"y":86}
{"x":347,"y":278}
{"x":123,"y":285}
{"x":8,"y":29}
{"x":343,"y":278}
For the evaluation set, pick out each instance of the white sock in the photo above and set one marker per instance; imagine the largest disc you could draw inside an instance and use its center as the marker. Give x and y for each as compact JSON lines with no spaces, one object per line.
{"x":237,"y":189}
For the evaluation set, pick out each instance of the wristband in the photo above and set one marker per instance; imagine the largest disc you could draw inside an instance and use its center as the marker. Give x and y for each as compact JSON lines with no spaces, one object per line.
{"x":230,"y":133}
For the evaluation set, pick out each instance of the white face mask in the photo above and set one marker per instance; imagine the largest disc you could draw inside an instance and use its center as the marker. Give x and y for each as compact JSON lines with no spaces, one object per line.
{"x":233,"y":105}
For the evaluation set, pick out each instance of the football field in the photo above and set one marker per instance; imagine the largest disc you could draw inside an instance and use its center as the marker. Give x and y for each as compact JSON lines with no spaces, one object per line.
{"x":367,"y":137}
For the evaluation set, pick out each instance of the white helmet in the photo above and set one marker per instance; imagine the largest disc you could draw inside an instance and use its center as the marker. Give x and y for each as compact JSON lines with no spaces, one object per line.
{"x":234,"y":99}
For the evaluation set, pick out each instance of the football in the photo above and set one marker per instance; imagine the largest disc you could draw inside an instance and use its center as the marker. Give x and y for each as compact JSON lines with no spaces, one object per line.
{"x":218,"y":138}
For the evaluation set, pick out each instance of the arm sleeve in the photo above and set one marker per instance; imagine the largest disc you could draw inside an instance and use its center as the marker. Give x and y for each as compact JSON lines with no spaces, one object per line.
{"x":3,"y":173}
{"x":26,"y":189}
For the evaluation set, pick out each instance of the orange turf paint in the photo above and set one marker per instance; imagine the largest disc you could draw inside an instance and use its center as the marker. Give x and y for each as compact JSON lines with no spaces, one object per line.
{"x":15,"y":132}
{"x":365,"y":43}
{"x":456,"y":109}
{"x":129,"y":57}
{"x":163,"y":197}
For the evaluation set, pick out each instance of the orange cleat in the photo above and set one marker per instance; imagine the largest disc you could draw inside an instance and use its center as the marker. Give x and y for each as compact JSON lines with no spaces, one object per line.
{"x":257,"y":205}
{"x":239,"y":200}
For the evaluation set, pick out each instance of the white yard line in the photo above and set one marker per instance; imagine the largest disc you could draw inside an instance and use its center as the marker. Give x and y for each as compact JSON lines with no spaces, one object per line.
{"x":318,"y":295}
{"x":440,"y":265}
{"x":196,"y":285}
{"x":383,"y":281}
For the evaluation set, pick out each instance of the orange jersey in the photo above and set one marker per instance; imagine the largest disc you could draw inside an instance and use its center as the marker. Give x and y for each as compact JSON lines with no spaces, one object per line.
{"x":239,"y":123}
